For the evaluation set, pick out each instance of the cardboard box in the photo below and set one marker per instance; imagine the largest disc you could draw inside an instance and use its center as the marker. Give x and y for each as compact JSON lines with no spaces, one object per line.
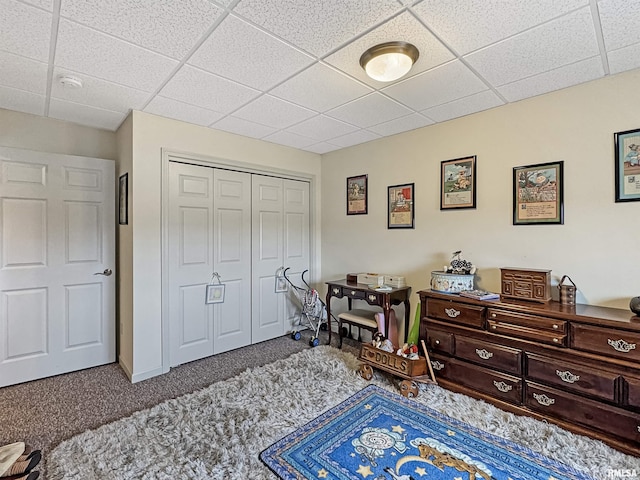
{"x":371,"y":278}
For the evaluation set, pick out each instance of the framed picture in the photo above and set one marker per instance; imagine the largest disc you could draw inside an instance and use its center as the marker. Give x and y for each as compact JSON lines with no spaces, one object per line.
{"x":401,"y":206}
{"x":123,"y":200}
{"x":538,"y":194}
{"x":458,"y":183}
{"x":627,"y":171}
{"x":357,"y":195}
{"x":281,"y":284}
{"x":215,"y":293}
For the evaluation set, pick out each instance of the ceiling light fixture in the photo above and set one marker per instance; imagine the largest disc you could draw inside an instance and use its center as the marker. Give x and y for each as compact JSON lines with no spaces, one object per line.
{"x":389,"y":61}
{"x":69,"y":81}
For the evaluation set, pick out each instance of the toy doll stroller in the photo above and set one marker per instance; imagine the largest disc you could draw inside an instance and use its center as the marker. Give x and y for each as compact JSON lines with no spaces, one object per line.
{"x":313,"y":311}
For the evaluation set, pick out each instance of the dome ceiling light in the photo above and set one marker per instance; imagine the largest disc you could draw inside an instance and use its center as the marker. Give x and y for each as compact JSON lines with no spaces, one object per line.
{"x":389,"y":61}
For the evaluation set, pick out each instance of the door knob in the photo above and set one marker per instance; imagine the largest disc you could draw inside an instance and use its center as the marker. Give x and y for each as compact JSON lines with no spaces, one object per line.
{"x":106,"y":273}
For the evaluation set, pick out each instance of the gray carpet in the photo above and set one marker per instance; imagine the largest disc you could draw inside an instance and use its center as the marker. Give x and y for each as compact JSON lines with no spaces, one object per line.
{"x":45,"y":412}
{"x":218,"y":432}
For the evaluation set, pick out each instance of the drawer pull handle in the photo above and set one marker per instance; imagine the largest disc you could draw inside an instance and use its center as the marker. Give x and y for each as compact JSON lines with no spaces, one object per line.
{"x":353,"y":292}
{"x":452,"y":312}
{"x":621,"y":345}
{"x":503,"y":387}
{"x":555,"y":326}
{"x":543,"y":399}
{"x":493,"y":315}
{"x":484,"y":354}
{"x":494,"y":327}
{"x":336,"y":291}
{"x":437,"y":342}
{"x":437,"y":365}
{"x":372,"y":298}
{"x":567,"y":376}
{"x":638,"y":428}
{"x":555,"y":340}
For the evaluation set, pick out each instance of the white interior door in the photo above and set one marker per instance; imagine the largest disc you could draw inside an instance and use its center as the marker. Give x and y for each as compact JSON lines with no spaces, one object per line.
{"x":190,"y":262}
{"x":232,"y":259}
{"x":267,"y":246}
{"x":57,"y":235}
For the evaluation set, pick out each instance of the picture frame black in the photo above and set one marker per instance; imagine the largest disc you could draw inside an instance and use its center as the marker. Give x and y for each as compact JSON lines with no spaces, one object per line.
{"x":627,"y":165}
{"x":538,"y":196}
{"x":458,"y":183}
{"x":357,"y":195}
{"x":123,"y":199}
{"x":401,"y":206}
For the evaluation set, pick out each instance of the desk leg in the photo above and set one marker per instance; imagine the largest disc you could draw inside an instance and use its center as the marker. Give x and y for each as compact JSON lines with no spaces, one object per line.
{"x":328,"y":303}
{"x":407,"y":316}
{"x":386,"y":308}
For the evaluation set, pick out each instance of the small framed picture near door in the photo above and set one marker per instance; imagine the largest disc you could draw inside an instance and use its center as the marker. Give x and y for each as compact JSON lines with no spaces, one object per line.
{"x":215,"y":293}
{"x":627,"y":171}
{"x":123,"y":200}
{"x":357,"y":195}
{"x":458,"y":183}
{"x":401,"y":202}
{"x":537,"y":194}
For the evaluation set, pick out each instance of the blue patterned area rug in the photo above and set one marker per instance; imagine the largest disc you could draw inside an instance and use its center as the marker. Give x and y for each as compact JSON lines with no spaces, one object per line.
{"x":380,"y":435}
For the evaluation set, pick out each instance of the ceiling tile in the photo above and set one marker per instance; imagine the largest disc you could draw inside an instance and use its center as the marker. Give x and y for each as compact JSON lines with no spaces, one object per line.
{"x":25,"y":30}
{"x":167,"y":107}
{"x":46,"y":4}
{"x":320,"y":88}
{"x":405,"y":28}
{"x":322,"y":128}
{"x":464,"y":106}
{"x":370,"y":110}
{"x":403,"y":124}
{"x":556,"y":79}
{"x":355,"y":138}
{"x":624,"y":58}
{"x":199,"y":88}
{"x":165,"y":26}
{"x":23,"y":73}
{"x":289,"y":139}
{"x":440,"y":85}
{"x":321,"y":148}
{"x":243,"y":53}
{"x":21,"y":101}
{"x":93,"y":53}
{"x":317,"y":26}
{"x":618,"y":19}
{"x":273,"y":112}
{"x":84,"y":115}
{"x":552,"y":45}
{"x":243,"y":127}
{"x":466,"y":25}
{"x":98,"y":93}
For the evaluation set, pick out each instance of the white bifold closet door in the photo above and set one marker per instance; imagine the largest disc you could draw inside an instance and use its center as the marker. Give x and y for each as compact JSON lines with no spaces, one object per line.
{"x":244,"y":227}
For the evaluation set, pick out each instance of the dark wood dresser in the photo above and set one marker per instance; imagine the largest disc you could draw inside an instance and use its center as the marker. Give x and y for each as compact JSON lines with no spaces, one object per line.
{"x":574,"y":365}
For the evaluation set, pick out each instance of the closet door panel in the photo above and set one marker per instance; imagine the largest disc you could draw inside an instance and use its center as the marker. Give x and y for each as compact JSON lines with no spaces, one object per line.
{"x":232,"y":246}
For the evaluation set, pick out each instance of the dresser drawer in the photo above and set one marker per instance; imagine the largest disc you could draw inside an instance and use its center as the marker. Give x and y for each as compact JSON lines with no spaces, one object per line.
{"x":606,"y":341}
{"x":589,"y":413}
{"x":440,"y":341}
{"x":498,"y":385}
{"x":569,"y":376}
{"x":469,"y":315}
{"x":489,"y":354}
{"x":540,"y":336}
{"x":529,"y":321}
{"x":633,"y":392}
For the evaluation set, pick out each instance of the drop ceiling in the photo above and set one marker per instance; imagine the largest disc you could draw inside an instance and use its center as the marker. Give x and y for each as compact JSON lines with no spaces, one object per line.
{"x":287,"y":71}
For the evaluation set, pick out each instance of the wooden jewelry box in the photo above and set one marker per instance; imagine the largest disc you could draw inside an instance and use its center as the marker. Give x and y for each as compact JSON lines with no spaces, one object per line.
{"x":526,"y":284}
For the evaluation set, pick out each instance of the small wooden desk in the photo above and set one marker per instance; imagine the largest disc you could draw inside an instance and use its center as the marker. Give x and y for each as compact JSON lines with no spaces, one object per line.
{"x":361,"y":291}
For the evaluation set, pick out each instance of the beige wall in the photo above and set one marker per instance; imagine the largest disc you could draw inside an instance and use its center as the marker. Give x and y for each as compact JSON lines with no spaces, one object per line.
{"x":151,"y":134}
{"x":23,"y":130}
{"x":597,"y":246}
